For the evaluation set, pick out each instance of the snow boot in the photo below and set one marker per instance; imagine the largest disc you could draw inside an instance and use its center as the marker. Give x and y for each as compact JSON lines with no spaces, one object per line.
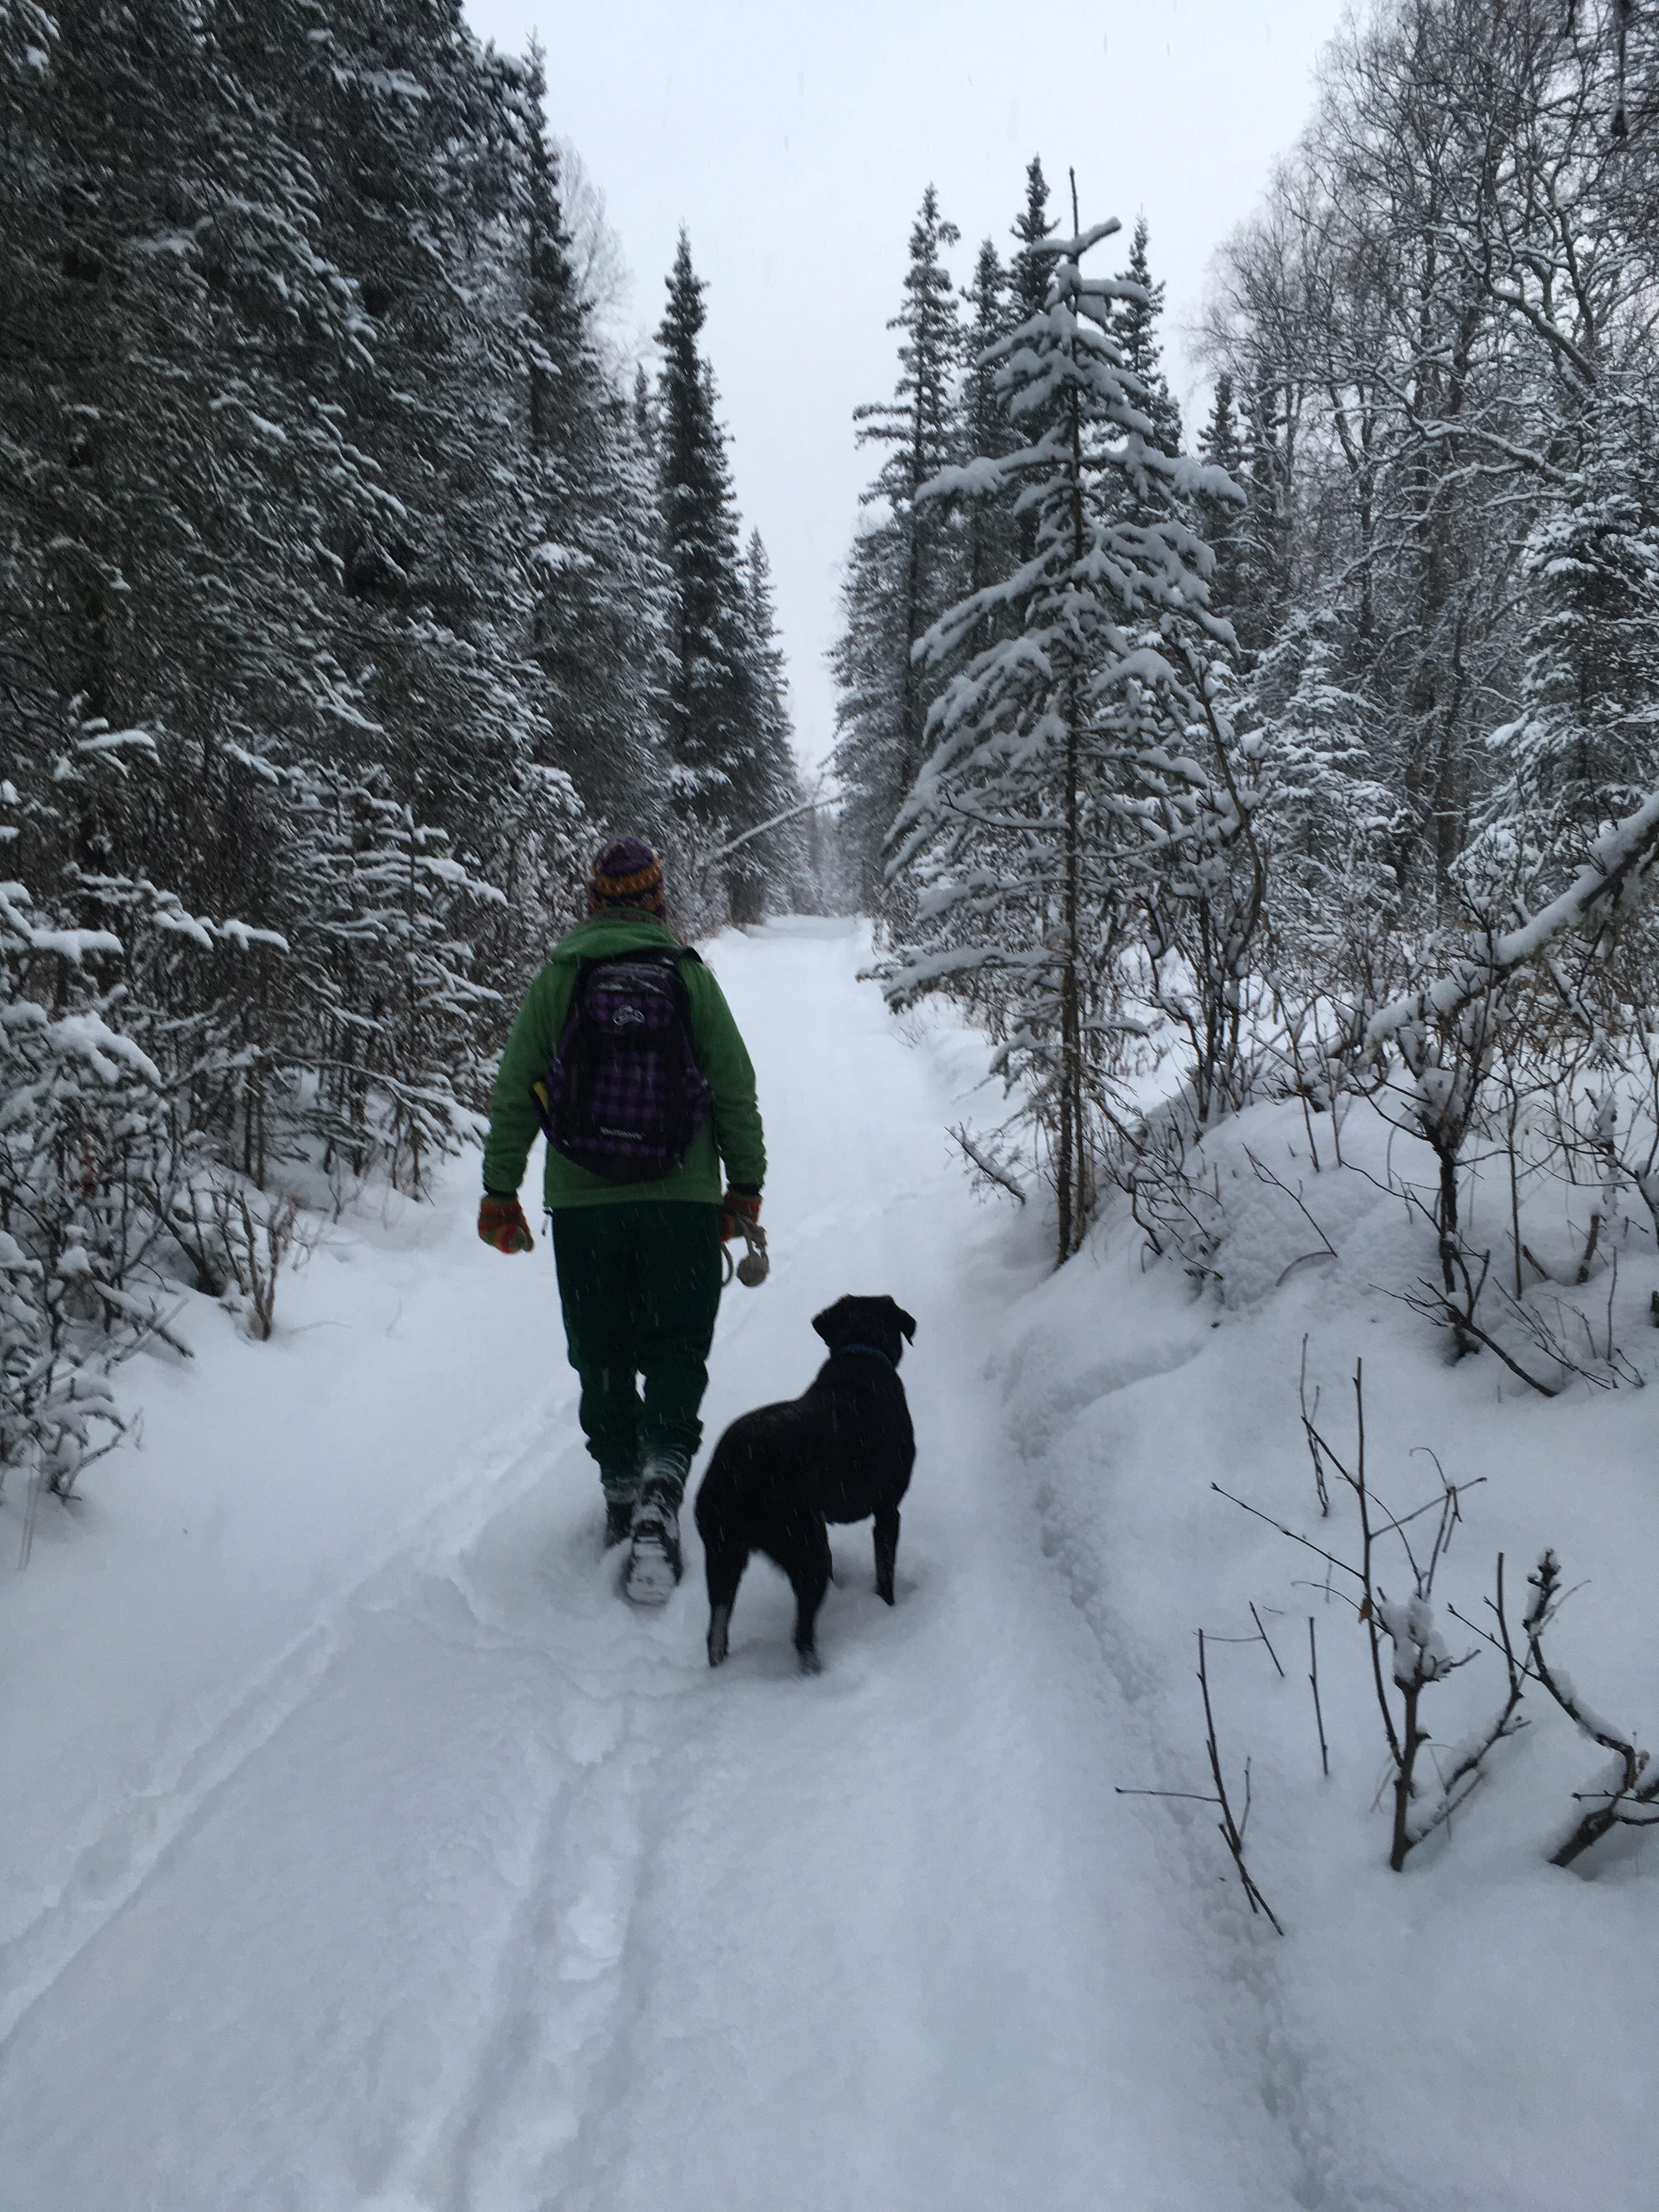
{"x":618,"y":1520}
{"x":655,"y":1563}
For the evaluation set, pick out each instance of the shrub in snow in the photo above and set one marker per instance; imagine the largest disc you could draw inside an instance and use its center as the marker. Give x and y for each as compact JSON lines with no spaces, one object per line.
{"x":237,"y":1240}
{"x":1628,"y":1795}
{"x":1507,"y":996}
{"x":1409,"y":1656}
{"x":83,"y":1131}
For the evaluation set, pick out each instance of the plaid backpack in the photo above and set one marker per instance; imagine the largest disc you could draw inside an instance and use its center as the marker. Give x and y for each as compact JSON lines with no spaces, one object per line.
{"x":624,"y":1095}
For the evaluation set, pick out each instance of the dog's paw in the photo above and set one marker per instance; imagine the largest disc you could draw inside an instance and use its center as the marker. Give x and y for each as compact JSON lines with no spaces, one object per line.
{"x":884,"y":1592}
{"x":810,"y":1663}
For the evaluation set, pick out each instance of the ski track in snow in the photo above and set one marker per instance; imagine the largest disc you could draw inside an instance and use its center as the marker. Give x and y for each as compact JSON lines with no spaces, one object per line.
{"x":484,"y":1895}
{"x":115,"y":1857}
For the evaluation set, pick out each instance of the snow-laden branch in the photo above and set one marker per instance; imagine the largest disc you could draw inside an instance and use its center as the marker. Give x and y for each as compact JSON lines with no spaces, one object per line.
{"x":773,"y":822}
{"x":1617,"y":862}
{"x":71,"y":944}
{"x":1073,"y":249}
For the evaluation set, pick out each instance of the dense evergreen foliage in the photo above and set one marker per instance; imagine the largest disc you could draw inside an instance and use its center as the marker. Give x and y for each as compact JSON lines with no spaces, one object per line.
{"x":905,"y":569}
{"x":342,"y":608}
{"x":732,"y":767}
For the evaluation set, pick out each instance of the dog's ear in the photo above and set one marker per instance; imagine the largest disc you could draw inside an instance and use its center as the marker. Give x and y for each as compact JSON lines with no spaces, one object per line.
{"x":831,"y":1323}
{"x":906,"y":1321}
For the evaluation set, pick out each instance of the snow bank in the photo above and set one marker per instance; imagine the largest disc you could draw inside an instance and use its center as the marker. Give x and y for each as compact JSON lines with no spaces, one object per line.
{"x":369,"y":1852}
{"x":363,"y":1853}
{"x":1473,"y":2031}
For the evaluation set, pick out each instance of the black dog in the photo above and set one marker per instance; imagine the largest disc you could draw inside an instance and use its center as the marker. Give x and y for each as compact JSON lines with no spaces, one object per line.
{"x":841,"y":1451}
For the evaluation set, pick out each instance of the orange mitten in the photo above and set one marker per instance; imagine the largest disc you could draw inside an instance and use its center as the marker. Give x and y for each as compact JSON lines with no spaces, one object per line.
{"x":502,"y":1222}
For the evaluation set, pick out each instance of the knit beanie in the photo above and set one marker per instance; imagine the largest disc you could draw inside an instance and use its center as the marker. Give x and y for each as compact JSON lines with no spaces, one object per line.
{"x":626,"y":873}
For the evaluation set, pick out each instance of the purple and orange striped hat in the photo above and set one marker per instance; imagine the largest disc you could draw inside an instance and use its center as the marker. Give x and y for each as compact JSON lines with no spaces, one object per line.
{"x":626,"y":873}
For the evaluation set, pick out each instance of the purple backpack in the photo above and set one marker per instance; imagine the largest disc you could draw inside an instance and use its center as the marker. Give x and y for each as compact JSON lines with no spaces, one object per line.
{"x":624,"y":1095}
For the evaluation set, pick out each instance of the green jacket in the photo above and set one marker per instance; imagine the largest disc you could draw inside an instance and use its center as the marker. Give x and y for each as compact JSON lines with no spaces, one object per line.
{"x":732,"y":1132}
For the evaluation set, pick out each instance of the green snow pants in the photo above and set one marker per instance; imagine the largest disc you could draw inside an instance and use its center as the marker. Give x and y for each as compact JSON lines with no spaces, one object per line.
{"x":639,"y":1284}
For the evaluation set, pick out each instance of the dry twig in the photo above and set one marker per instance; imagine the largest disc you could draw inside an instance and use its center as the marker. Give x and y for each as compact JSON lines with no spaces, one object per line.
{"x":1231,"y":1828}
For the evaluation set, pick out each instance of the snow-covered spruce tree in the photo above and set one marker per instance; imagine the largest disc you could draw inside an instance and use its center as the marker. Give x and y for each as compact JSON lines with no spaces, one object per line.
{"x":769,"y":872}
{"x":1031,"y":269}
{"x":1264,"y":540}
{"x":886,"y":691}
{"x":599,"y":584}
{"x":709,"y":708}
{"x":1137,"y":334}
{"x":868,"y":709}
{"x":988,"y":536}
{"x":906,"y":568}
{"x":1582,"y":749}
{"x":1222,"y":520}
{"x":434,"y":197}
{"x":1332,"y":888}
{"x":1030,"y":273}
{"x":388,"y":1071}
{"x":427,"y":1081}
{"x":412,"y":135}
{"x":1251,"y":534}
{"x":1063,"y":783}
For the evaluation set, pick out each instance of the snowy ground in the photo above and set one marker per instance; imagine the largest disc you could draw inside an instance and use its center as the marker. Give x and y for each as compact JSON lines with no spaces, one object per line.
{"x":362,"y":1850}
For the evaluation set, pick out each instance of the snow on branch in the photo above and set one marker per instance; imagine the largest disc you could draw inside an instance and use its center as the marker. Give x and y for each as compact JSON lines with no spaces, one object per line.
{"x":87,"y":1036}
{"x":71,"y":944}
{"x":1617,"y":861}
{"x":1632,"y":1797}
{"x":772,"y":822}
{"x":1073,"y":249}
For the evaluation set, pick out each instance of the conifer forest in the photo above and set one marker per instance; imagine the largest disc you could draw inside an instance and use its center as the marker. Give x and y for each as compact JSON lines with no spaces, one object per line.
{"x":1111,"y":553}
{"x":349,"y":590}
{"x":350,"y":584}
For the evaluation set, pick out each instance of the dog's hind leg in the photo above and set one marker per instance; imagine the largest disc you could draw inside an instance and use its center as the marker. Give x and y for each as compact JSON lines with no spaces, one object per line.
{"x":725,"y":1564}
{"x":887,"y":1536}
{"x":810,"y":1579}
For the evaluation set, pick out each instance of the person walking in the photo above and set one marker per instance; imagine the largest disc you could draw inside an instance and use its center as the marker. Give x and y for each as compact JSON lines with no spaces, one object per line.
{"x":625,"y":1054}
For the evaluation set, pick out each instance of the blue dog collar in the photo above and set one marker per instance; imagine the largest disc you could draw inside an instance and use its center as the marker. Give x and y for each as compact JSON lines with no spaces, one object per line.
{"x":874,"y":1348}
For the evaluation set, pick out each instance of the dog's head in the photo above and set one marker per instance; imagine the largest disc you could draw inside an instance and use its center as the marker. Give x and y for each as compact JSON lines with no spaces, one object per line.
{"x":876,"y":1321}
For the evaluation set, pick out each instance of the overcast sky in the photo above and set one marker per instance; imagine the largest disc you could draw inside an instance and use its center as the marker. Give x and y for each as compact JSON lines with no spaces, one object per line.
{"x":795,"y":141}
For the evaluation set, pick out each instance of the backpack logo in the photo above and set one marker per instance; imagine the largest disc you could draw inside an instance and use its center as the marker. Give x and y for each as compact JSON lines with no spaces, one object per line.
{"x":624,"y":1095}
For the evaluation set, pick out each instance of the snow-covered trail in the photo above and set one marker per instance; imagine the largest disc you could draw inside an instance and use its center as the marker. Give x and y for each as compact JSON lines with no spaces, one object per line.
{"x":481,"y":1893}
